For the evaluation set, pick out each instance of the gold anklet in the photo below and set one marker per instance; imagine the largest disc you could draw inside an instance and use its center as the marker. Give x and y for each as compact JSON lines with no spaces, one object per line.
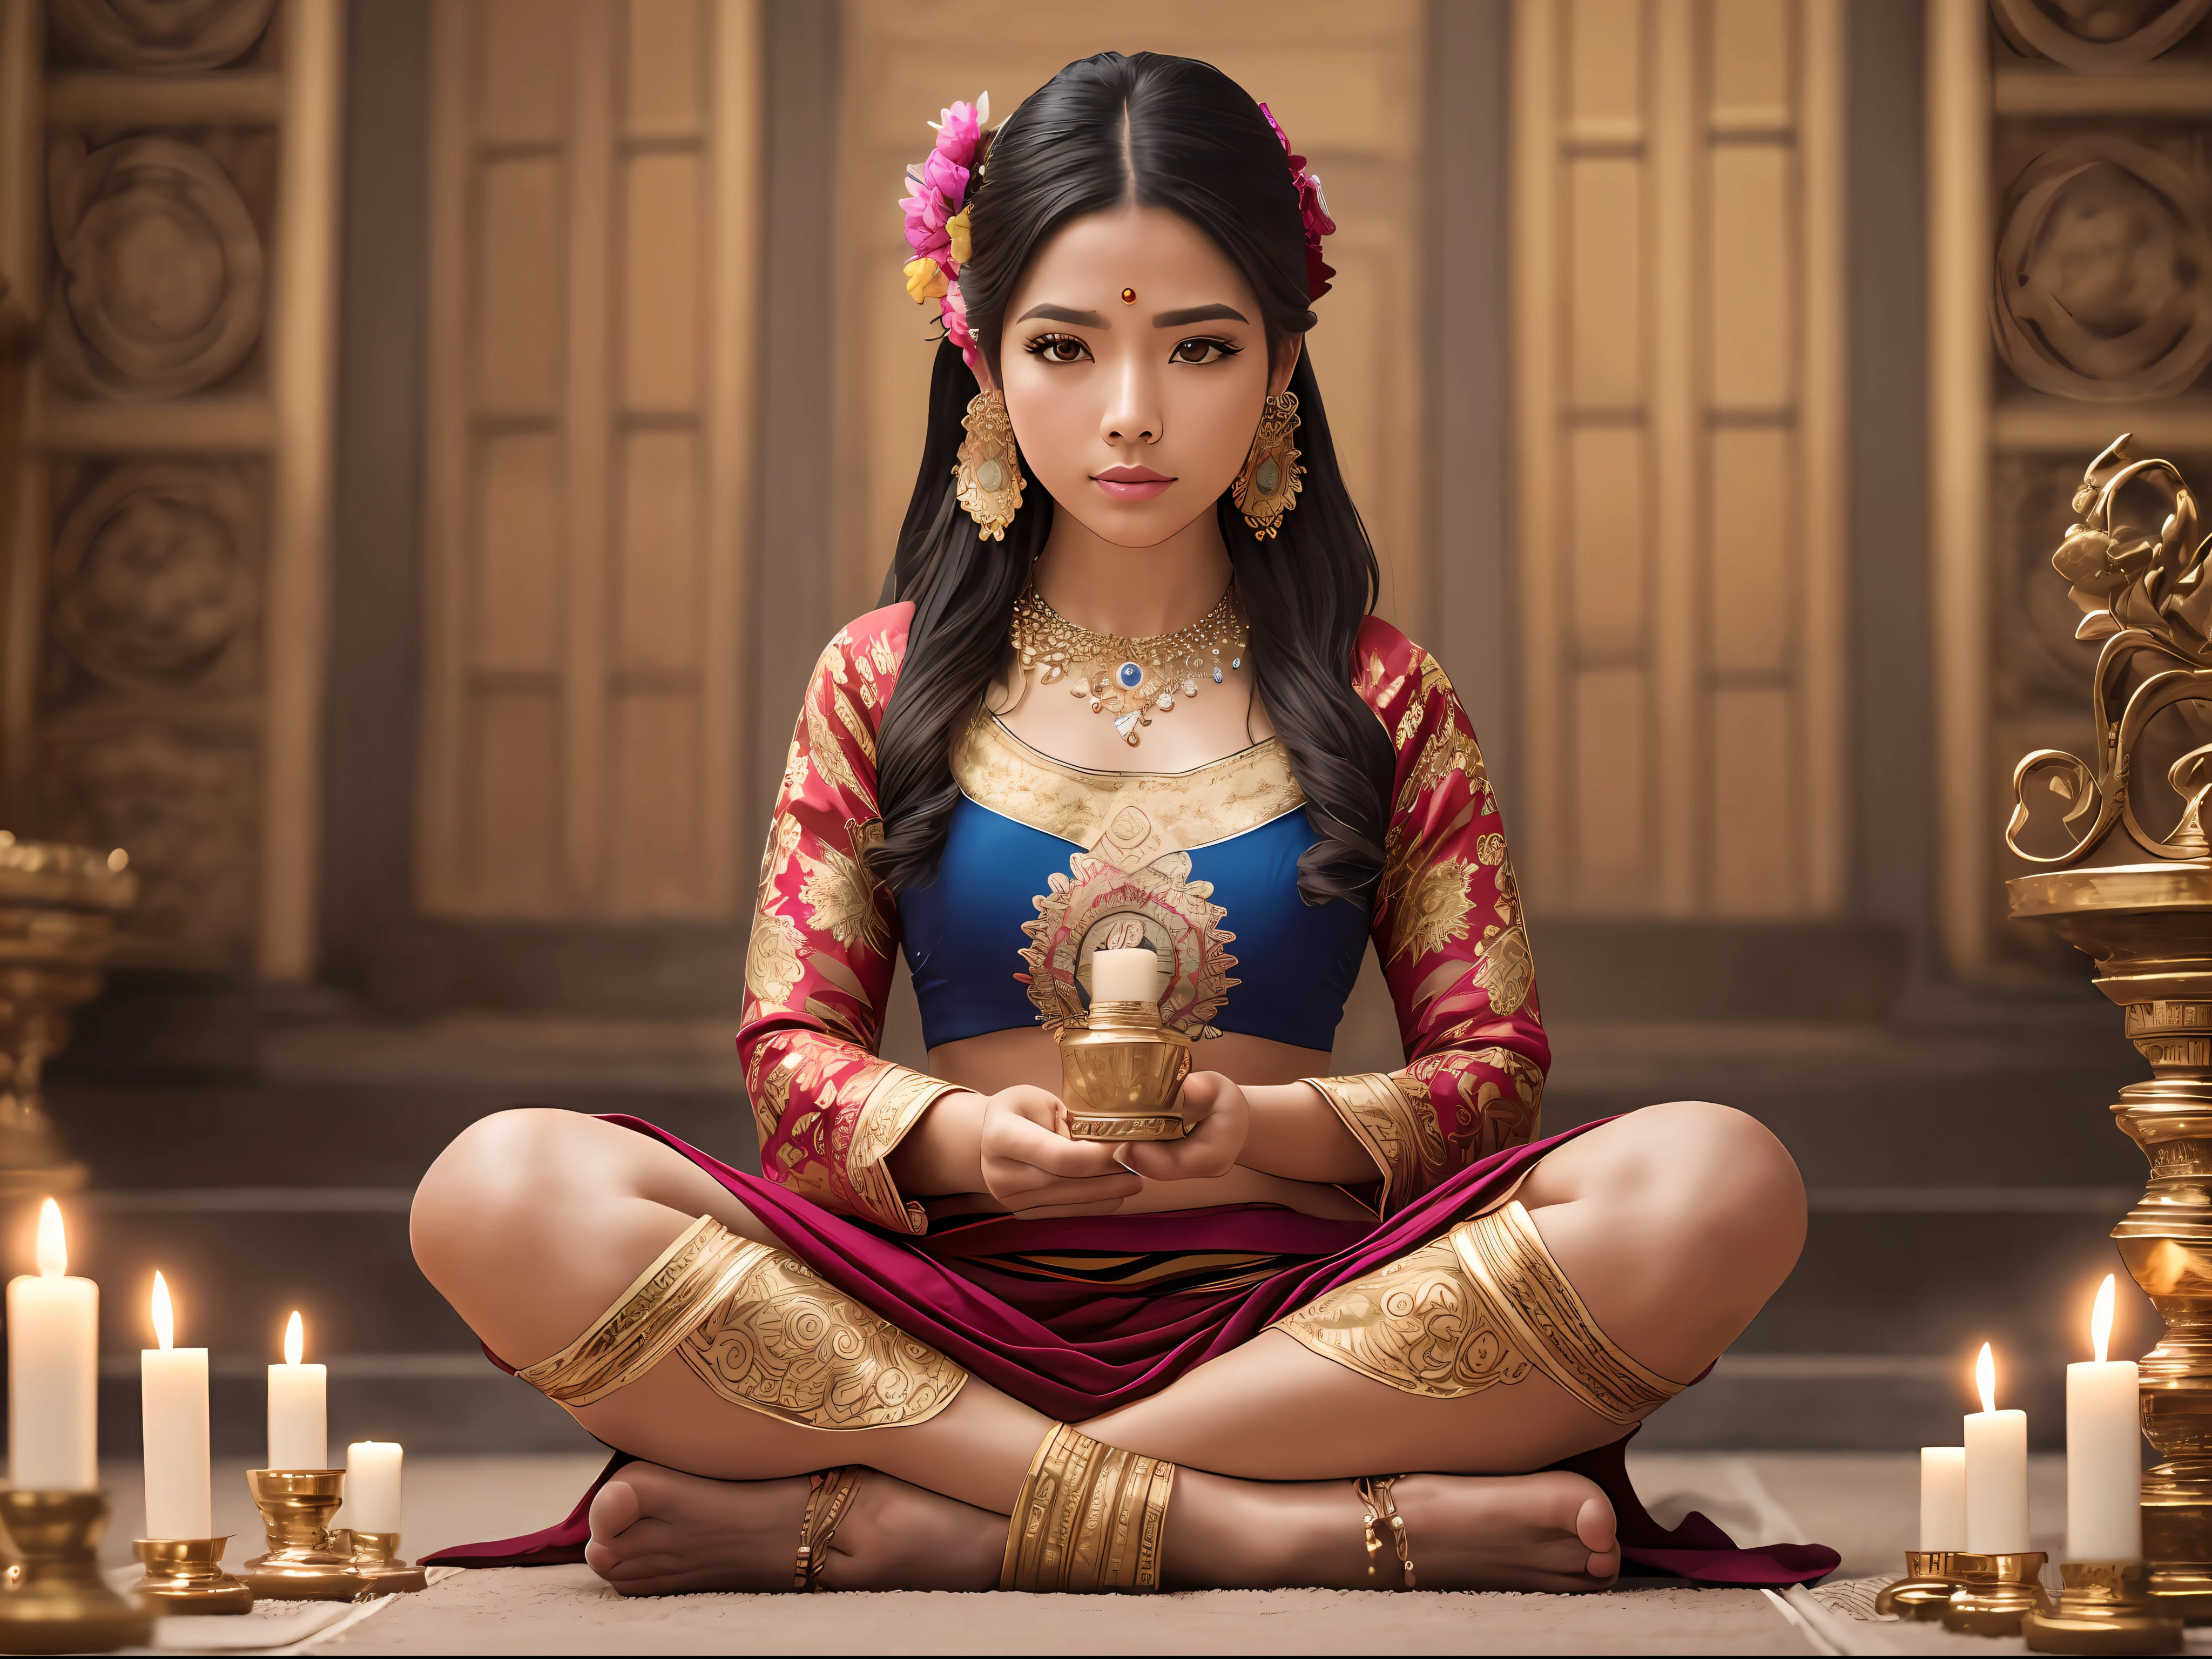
{"x":1378,"y":1503}
{"x":1089,"y":1516}
{"x":828,"y":1498}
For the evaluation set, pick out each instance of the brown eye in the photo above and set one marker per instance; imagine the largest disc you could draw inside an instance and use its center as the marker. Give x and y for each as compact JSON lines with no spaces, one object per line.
{"x":1201,"y":351}
{"x":1066,"y":351}
{"x":1058,"y":348}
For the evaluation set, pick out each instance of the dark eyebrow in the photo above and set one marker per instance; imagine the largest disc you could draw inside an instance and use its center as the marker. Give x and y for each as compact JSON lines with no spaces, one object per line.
{"x":1062,"y":315}
{"x":1198,"y":314}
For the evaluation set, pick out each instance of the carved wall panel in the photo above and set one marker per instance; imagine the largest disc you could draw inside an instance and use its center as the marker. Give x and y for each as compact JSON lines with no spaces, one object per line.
{"x":2097,"y":36}
{"x":158,"y":35}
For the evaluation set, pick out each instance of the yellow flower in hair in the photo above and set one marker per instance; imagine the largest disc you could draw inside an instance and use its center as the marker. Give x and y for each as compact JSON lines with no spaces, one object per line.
{"x":925,"y":280}
{"x":956,"y":229}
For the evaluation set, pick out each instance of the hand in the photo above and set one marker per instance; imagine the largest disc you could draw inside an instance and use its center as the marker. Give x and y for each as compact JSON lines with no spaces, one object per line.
{"x":1217,"y":1118}
{"x":1030,"y":1165}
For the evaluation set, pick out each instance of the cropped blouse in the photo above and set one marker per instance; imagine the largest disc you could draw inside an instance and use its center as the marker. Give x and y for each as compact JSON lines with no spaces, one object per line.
{"x":1045,"y":862}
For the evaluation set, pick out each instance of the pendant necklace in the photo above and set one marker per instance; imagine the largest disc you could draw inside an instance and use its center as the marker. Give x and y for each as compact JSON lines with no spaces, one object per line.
{"x":1132,"y":680}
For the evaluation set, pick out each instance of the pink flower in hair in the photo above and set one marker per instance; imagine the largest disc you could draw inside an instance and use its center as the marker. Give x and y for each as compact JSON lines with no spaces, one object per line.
{"x":1313,"y":212}
{"x":939,"y":199}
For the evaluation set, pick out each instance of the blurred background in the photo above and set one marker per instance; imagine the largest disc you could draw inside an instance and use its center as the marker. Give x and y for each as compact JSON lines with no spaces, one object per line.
{"x":436,"y":437}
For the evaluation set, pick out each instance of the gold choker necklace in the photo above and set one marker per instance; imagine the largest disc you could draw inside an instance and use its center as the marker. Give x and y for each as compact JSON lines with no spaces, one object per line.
{"x":1132,"y":679}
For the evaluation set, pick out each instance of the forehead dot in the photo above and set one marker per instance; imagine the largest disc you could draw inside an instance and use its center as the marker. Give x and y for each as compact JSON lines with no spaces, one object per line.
{"x":1129,"y":296}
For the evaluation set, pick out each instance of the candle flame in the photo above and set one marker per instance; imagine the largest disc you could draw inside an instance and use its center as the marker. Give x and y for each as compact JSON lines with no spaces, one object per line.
{"x":294,"y":1341}
{"x":1985,"y":1378}
{"x":53,"y":1242}
{"x":2100,"y":1319}
{"x":165,"y":1319}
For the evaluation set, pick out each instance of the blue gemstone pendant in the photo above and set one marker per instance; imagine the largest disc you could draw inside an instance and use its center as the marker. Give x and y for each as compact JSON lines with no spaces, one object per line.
{"x":1130,"y":675}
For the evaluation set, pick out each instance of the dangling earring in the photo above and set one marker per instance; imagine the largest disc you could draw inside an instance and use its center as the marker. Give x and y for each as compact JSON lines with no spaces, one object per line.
{"x":989,"y":472}
{"x":1268,"y":486}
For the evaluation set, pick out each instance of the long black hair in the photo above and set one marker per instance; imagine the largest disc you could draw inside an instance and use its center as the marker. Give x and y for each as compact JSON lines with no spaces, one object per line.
{"x":1194,"y":143}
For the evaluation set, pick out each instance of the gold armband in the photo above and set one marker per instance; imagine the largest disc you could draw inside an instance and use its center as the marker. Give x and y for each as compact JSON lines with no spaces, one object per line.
{"x":1089,"y":1516}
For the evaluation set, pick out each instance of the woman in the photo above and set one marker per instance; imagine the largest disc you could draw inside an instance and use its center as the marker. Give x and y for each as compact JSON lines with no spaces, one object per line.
{"x":1128,"y":694}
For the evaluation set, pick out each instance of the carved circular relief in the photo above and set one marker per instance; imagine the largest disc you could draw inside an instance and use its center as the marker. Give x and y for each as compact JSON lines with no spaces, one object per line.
{"x":162,"y":269}
{"x":2098,"y":36}
{"x":160,"y":34}
{"x":153,"y":574}
{"x":2103,"y":285}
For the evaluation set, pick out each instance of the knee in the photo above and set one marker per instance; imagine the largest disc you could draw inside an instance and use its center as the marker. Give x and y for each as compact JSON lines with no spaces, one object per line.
{"x":1719,"y":1177}
{"x":488,"y":1191}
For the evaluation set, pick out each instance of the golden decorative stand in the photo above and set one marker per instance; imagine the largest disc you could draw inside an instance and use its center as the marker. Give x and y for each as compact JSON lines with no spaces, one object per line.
{"x":52,"y":1599}
{"x":1995,"y":1592}
{"x":2105,"y":1608}
{"x":1925,"y":1589}
{"x":186,"y":1575}
{"x":59,"y":905}
{"x":378,"y":1563}
{"x":2139,"y":574}
{"x":1120,"y":1071}
{"x":304,"y":1562}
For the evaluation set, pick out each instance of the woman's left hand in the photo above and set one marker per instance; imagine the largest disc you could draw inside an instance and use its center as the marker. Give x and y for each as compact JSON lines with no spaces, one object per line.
{"x":1216,"y":1117}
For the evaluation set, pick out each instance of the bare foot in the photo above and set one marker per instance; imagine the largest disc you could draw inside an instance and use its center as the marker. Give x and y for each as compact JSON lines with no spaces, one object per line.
{"x":656,"y":1531}
{"x":1552,"y":1531}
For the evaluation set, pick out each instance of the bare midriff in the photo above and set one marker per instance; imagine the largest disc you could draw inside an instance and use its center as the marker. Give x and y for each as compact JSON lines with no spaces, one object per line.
{"x":1000,"y":1060}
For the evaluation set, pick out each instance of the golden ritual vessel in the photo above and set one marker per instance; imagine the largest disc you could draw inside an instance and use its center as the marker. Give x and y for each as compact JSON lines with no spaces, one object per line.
{"x":2141,"y":905}
{"x":1120,"y":1071}
{"x":59,"y":906}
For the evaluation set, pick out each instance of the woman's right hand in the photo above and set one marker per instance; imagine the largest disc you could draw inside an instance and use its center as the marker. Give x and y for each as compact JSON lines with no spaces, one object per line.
{"x":1031,"y":1166}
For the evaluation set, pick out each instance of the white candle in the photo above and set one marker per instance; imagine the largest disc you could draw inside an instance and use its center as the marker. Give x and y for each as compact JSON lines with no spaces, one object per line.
{"x":172,"y":1403}
{"x":2104,"y":1449}
{"x":299,"y":1432}
{"x":1996,"y":1470}
{"x":53,"y":1371}
{"x":1124,"y":976}
{"x":1942,"y":1498}
{"x":372,"y":1485}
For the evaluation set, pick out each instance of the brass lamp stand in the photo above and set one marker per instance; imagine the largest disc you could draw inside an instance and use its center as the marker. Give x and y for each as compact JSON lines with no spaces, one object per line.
{"x":2141,"y":576}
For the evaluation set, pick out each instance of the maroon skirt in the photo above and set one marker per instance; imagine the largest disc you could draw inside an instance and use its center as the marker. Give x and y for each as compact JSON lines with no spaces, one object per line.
{"x":1075,"y":1317}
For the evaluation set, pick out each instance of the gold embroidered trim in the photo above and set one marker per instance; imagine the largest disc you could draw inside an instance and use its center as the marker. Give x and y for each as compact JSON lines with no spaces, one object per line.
{"x":893,"y":1107}
{"x":647,"y":1319}
{"x":1389,"y":1114}
{"x":783,"y":1343}
{"x":1089,"y":1516}
{"x":1470,"y":1310}
{"x":1127,"y":818}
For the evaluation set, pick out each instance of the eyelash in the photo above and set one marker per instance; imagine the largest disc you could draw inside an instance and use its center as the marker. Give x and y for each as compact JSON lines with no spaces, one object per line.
{"x":1046,"y":345}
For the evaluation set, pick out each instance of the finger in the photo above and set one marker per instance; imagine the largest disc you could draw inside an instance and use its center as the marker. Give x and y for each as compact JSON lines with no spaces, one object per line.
{"x":1055,"y":1154}
{"x":1013,"y":1182}
{"x":1108,"y":1190}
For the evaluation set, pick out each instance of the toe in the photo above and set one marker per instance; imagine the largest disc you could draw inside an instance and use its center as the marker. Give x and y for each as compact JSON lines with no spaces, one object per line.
{"x":1594,"y":1523}
{"x":615,"y":1509}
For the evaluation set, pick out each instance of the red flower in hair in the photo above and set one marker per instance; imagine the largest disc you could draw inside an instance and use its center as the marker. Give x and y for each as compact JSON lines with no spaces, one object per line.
{"x":1313,"y":212}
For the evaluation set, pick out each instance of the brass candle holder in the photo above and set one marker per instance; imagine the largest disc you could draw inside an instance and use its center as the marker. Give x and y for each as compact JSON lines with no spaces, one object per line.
{"x":378,"y":1563}
{"x":1120,"y":1071}
{"x":1925,"y":1590}
{"x":186,"y":1575}
{"x":304,"y":1562}
{"x":52,"y":1599}
{"x":2104,"y":1607}
{"x":1995,"y":1592}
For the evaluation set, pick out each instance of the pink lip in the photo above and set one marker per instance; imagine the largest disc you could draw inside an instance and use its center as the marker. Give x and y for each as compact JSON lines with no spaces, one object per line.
{"x":1131,"y":484}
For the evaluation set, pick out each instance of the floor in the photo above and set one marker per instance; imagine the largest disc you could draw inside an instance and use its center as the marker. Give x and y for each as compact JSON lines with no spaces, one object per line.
{"x":1863,"y":1505}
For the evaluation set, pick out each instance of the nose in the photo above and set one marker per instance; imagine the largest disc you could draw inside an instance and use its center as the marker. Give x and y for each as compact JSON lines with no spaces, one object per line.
{"x":1133,"y":410}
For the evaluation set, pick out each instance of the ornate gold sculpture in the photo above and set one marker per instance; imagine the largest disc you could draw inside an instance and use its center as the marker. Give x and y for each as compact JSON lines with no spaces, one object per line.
{"x":58,"y":910}
{"x":2141,"y":576}
{"x":1121,"y":1073}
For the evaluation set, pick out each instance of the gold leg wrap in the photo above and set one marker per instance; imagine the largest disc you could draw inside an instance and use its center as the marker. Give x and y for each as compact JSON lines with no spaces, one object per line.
{"x":762,"y":1332}
{"x":1470,"y":1310}
{"x":1090,"y":1516}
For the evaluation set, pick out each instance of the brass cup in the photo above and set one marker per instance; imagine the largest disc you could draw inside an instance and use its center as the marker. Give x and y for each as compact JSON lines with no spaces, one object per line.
{"x":1925,"y":1589}
{"x":52,"y":1599}
{"x":1995,"y":1592}
{"x":1121,"y":1072}
{"x":2104,"y":1607}
{"x":377,"y":1560}
{"x":302,"y":1564}
{"x":186,"y":1575}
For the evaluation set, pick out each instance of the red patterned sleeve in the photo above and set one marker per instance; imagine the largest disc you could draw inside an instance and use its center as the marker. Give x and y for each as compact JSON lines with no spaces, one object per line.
{"x":1447,"y":927}
{"x":819,"y":970}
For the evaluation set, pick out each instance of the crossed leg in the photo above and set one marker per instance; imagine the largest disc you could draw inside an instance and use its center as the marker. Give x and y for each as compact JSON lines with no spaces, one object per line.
{"x":1674,"y":1223}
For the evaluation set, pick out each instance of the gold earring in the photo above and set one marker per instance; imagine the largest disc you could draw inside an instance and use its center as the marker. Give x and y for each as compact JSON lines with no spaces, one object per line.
{"x":1268,"y":486}
{"x":989,"y":471}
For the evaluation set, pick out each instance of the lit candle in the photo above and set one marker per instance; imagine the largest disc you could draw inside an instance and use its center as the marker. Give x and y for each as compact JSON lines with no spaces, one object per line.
{"x":1132,"y":975}
{"x":1942,"y":1498}
{"x":1996,"y":1470}
{"x":172,"y":1403}
{"x":372,"y":1485}
{"x":53,"y":1371}
{"x":2104,"y":1449}
{"x":298,"y":1433}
